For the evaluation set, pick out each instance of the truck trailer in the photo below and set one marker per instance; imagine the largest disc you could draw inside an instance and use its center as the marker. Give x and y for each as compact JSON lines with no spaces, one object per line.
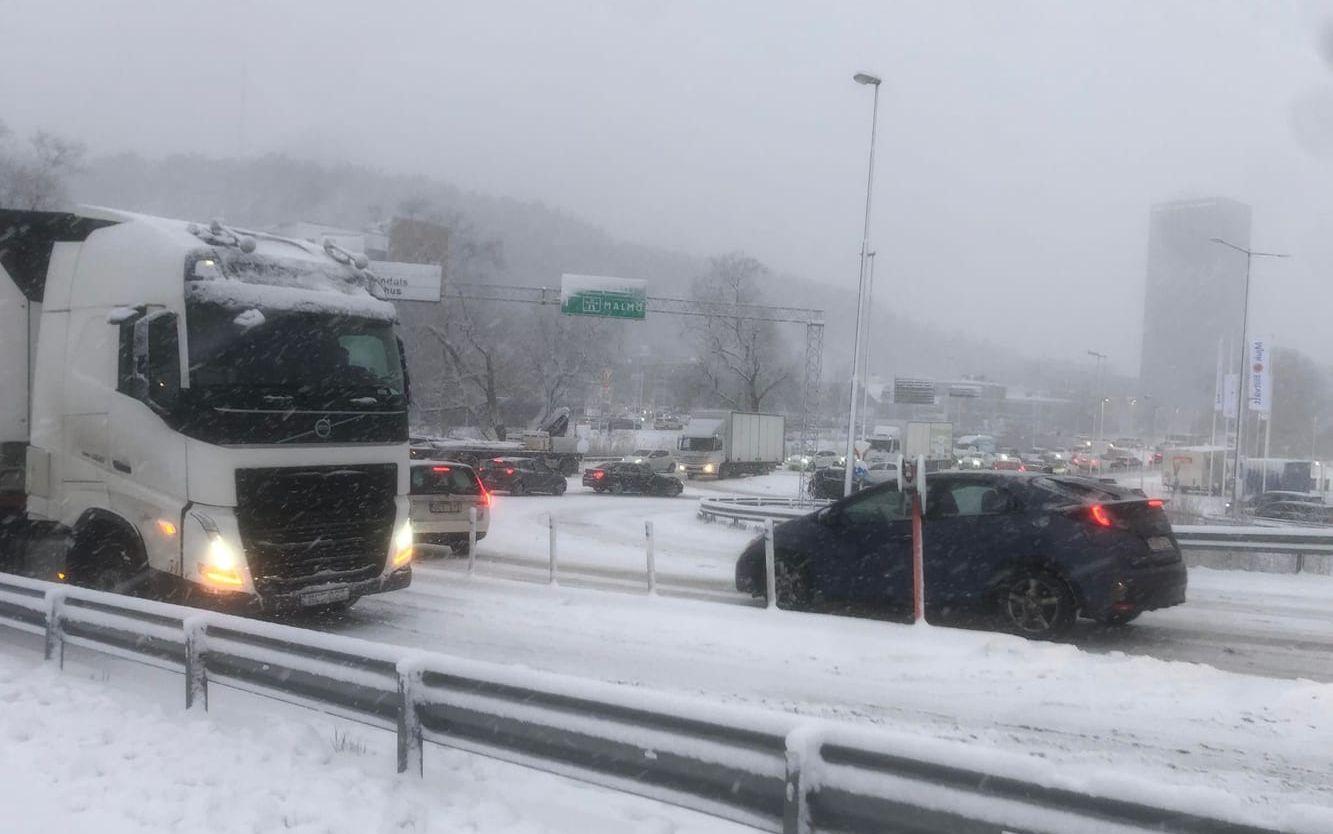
{"x":723,"y":444}
{"x":191,"y":409}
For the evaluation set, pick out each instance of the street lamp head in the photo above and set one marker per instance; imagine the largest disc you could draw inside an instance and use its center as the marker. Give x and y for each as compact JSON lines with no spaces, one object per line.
{"x":866,"y":78}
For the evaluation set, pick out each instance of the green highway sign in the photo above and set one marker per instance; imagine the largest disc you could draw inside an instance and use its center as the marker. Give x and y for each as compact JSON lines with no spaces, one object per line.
{"x":597,"y":295}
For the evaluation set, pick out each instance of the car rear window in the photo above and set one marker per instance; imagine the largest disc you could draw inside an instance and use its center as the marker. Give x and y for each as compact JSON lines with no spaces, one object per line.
{"x":1080,"y":490}
{"x":444,"y":479}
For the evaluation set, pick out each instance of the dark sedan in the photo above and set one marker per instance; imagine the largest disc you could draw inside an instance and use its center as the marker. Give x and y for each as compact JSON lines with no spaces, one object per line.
{"x":1031,"y":550}
{"x":631,"y":477}
{"x":520,"y":476}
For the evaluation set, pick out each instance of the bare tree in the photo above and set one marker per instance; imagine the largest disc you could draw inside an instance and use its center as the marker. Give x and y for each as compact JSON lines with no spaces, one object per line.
{"x":33,"y":176}
{"x":477,"y":363}
{"x":560,"y":354}
{"x":740,"y":359}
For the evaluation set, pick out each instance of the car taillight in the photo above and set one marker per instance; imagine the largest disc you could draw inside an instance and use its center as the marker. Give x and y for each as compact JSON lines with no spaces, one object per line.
{"x":598,"y":475}
{"x":485,"y":495}
{"x":1022,"y":468}
{"x":1100,"y":515}
{"x":509,"y":471}
{"x":440,"y":469}
{"x":1156,"y":503}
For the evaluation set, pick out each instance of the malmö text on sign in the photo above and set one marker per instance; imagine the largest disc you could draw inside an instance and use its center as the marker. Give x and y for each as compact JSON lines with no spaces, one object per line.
{"x":597,"y":295}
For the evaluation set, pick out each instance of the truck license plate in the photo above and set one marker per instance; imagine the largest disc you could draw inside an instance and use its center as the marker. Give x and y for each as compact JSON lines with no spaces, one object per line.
{"x":1158,"y":543}
{"x":325,"y":597}
{"x":444,"y":506}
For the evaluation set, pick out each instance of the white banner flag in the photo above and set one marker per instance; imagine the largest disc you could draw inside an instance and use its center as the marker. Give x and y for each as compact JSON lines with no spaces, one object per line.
{"x":1231,"y":389}
{"x":1261,"y":376}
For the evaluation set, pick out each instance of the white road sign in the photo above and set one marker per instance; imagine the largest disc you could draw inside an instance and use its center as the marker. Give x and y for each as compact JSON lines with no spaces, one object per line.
{"x":408,"y":282}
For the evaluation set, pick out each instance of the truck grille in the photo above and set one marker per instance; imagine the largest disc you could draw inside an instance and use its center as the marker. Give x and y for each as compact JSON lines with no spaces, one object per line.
{"x":315,"y":525}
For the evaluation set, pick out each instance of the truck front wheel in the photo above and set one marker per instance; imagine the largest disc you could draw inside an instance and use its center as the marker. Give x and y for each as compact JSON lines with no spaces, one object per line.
{"x":104,"y":559}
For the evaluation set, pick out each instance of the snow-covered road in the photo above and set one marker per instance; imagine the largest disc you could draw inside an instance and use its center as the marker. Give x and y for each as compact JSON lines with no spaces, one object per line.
{"x":1114,"y":700}
{"x":1264,"y":624}
{"x":1261,"y":740}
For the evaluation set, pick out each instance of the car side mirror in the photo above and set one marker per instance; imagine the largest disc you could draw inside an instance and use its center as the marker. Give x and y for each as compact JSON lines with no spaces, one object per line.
{"x":829,"y":517}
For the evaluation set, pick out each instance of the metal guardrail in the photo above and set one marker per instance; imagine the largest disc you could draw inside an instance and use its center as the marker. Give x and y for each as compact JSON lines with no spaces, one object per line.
{"x":756,"y":509}
{"x":772,"y":771}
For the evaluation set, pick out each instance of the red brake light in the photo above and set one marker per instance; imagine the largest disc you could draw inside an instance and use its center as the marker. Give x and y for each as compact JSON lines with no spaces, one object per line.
{"x":1022,"y":468}
{"x":509,"y":471}
{"x":1100,"y":515}
{"x":485,"y":496}
{"x":1156,"y":503}
{"x":440,"y":469}
{"x":598,"y":474}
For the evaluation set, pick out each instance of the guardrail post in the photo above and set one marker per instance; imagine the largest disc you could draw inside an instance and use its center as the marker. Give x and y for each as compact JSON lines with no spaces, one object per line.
{"x":1300,"y":562}
{"x":652,"y":565}
{"x":472,"y":541}
{"x":196,"y":662}
{"x":770,"y":566}
{"x":550,"y":521}
{"x":55,"y":629}
{"x":409,"y":722}
{"x":802,"y":752}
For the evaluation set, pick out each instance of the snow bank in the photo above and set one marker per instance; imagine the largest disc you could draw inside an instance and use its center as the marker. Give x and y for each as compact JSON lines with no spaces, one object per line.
{"x":86,"y":755}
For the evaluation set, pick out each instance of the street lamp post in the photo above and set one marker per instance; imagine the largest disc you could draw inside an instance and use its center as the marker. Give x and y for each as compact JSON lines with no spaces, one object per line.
{"x":1237,"y":485}
{"x":873,"y":81}
{"x":1101,"y":395}
{"x":865,"y":354}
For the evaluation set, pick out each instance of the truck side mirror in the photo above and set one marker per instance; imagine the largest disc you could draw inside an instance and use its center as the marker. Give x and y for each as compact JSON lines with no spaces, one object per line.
{"x":156,"y":378}
{"x":407,"y":382}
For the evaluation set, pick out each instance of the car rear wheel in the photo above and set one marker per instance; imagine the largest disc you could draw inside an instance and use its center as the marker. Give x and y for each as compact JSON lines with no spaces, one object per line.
{"x":559,"y":488}
{"x":517,"y":488}
{"x":1038,"y":605}
{"x":676,"y":489}
{"x":616,"y":489}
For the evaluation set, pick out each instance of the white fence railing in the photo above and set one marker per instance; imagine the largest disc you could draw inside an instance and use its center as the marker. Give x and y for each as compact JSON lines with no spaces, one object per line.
{"x":772,"y":771}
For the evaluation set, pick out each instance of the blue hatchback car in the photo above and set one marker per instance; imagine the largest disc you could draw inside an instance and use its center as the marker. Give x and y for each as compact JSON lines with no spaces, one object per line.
{"x":1034,"y":551}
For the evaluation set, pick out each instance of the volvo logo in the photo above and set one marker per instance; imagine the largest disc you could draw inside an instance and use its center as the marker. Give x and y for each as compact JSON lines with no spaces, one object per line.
{"x":323,"y":428}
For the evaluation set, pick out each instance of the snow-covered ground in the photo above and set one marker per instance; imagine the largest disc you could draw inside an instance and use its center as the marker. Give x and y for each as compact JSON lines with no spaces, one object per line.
{"x":1262,"y":741}
{"x":105,"y":747}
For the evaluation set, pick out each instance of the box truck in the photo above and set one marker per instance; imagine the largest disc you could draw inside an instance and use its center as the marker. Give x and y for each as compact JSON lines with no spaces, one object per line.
{"x":722,"y":444}
{"x":934,"y":441}
{"x":198,"y":409}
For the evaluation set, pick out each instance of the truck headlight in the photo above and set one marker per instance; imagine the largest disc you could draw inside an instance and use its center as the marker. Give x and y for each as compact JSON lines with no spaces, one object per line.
{"x":221,"y":565}
{"x":680,"y":467}
{"x":708,"y":467}
{"x":402,"y":545}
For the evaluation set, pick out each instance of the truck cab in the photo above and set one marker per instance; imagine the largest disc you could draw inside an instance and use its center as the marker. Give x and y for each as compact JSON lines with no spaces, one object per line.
{"x":203,"y":408}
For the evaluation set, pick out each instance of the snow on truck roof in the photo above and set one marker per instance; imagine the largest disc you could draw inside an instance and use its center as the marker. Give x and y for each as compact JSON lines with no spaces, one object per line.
{"x":142,"y":255}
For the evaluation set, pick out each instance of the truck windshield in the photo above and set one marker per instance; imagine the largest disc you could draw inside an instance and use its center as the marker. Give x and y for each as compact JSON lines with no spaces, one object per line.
{"x":280,"y":359}
{"x":700,"y":444}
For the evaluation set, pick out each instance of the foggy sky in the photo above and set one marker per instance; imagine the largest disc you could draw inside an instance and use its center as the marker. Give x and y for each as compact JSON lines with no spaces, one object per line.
{"x":1020,"y":146}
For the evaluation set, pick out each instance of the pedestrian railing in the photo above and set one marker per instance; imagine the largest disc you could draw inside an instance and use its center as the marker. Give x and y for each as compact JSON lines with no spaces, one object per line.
{"x":773,"y":771}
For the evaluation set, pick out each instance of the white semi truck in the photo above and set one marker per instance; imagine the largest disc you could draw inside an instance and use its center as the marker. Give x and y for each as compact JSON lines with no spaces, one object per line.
{"x":722,"y":444}
{"x":196,"y":409}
